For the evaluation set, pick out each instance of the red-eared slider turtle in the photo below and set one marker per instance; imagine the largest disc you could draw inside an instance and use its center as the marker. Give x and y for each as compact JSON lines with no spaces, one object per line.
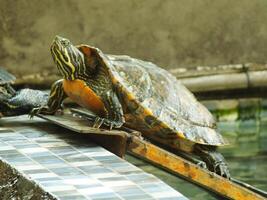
{"x":140,"y":95}
{"x":20,"y":102}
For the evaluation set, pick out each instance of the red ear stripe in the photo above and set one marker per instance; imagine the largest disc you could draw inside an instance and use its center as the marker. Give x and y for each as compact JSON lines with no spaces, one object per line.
{"x":90,"y":57}
{"x":85,"y":50}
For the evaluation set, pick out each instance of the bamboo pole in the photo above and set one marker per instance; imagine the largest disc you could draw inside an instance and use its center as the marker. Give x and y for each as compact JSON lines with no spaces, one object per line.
{"x":215,"y":70}
{"x":226,"y":81}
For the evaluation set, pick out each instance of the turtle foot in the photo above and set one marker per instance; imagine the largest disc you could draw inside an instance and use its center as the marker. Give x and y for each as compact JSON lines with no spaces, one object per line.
{"x":214,"y":160}
{"x":34,"y":112}
{"x":103,"y":121}
{"x":41,"y":110}
{"x":97,"y":121}
{"x":193,"y":159}
{"x":221,"y":168}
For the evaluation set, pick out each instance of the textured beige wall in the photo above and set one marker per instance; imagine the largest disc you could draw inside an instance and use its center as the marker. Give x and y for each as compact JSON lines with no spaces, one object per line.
{"x":170,"y":33}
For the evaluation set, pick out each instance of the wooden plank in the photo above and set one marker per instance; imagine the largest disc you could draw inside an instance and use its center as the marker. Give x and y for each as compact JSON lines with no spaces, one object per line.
{"x":190,"y":171}
{"x":113,"y":140}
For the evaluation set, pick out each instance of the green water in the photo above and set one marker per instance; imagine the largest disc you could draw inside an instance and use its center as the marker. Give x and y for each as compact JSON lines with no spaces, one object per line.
{"x":246,"y":156}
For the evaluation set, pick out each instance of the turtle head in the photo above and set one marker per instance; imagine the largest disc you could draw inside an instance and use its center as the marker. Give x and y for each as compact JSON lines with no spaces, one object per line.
{"x":67,"y":57}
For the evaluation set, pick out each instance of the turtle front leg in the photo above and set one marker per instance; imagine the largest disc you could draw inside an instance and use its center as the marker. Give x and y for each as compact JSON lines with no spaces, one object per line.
{"x":114,"y":113}
{"x":214,"y":160}
{"x":57,"y":95}
{"x":114,"y":116}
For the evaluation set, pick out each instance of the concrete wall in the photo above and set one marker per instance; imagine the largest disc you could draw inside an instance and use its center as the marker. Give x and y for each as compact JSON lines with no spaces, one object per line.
{"x":170,"y":33}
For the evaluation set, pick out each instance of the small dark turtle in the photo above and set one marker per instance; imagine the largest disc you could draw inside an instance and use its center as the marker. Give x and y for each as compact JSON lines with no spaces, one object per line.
{"x":20,"y":102}
{"x":121,"y":89}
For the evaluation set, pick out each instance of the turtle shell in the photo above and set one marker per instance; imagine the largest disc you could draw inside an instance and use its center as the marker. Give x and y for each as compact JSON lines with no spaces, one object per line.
{"x":5,"y":77}
{"x":156,"y":103}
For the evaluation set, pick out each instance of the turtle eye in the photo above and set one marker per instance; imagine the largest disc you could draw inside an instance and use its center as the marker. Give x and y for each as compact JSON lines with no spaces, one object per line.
{"x":65,"y":43}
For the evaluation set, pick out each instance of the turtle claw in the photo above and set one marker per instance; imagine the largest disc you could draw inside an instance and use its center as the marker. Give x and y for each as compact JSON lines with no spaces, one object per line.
{"x":111,"y":124}
{"x":214,"y":160}
{"x":34,"y":112}
{"x":221,"y":168}
{"x":98,"y":122}
{"x":202,"y":165}
{"x":43,"y":110}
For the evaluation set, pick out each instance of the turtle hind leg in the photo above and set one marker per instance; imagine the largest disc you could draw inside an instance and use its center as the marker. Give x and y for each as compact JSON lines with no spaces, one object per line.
{"x":214,"y":160}
{"x":192,"y":159}
{"x":56,"y":97}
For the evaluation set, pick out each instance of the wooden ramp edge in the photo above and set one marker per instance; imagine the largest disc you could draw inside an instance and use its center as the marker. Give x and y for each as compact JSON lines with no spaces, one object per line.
{"x":190,"y":171}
